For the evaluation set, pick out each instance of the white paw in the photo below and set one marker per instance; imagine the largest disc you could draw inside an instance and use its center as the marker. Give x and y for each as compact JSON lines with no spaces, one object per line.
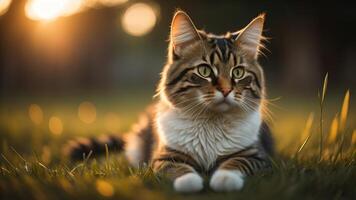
{"x":190,"y":182}
{"x":226,"y":180}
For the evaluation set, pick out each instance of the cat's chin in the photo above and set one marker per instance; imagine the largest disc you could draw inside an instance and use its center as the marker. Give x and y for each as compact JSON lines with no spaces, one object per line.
{"x":221,"y":107}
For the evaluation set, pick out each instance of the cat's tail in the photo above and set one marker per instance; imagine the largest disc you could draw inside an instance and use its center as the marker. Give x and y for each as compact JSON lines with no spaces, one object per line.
{"x":82,"y":148}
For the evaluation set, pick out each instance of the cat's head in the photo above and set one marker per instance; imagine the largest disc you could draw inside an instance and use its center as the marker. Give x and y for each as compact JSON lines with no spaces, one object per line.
{"x":206,"y":72}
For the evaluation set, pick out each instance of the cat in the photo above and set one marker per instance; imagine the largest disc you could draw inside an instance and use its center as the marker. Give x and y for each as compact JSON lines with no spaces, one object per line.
{"x":208,"y":119}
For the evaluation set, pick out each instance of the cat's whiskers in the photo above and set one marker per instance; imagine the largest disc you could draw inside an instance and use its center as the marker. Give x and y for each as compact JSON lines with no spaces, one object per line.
{"x":247,"y":105}
{"x":265,"y":110}
{"x":201,"y":113}
{"x":195,"y":110}
{"x":196,"y":106}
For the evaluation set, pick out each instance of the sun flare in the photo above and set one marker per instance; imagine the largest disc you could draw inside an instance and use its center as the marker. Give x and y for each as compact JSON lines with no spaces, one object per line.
{"x":50,"y":10}
{"x":139,"y":19}
{"x":4,"y":6}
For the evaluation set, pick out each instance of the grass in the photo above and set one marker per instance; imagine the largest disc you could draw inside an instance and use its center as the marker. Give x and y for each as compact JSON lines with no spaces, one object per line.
{"x":31,"y":165}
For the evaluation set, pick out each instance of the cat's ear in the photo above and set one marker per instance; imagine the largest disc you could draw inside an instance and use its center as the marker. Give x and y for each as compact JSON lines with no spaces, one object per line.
{"x":183,"y":32}
{"x":250,"y":38}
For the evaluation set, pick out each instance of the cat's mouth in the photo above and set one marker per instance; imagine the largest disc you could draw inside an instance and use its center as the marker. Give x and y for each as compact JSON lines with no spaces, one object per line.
{"x":223,"y":101}
{"x":222,"y":105}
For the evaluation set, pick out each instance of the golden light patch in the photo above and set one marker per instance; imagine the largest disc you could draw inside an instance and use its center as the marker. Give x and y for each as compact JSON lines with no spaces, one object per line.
{"x":55,"y":125}
{"x":111,"y":2}
{"x":112,"y":122}
{"x":46,"y":10}
{"x":307,"y":127}
{"x":333,"y":130}
{"x":139,"y":19}
{"x":87,"y":112}
{"x":4,"y":6}
{"x":353,"y":139}
{"x":46,"y":155}
{"x":65,"y":184}
{"x":35,"y":113}
{"x":344,"y":111}
{"x":104,"y":188}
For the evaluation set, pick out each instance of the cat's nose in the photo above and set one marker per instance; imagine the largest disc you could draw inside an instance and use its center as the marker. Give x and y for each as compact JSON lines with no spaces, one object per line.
{"x":225,"y":91}
{"x":224,"y":86}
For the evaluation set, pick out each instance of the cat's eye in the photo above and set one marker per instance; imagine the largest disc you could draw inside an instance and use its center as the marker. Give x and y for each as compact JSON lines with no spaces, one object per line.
{"x":238,"y":72}
{"x":204,"y":70}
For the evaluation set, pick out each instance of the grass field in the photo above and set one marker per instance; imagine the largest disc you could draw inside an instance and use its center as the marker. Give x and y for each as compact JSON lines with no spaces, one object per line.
{"x":33,"y":130}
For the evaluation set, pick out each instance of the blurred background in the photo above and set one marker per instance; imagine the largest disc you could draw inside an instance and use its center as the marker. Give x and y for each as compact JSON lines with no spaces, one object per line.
{"x":79,"y":67}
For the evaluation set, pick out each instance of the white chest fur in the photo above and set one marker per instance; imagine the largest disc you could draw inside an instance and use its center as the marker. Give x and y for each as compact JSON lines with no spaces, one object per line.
{"x":207,"y":139}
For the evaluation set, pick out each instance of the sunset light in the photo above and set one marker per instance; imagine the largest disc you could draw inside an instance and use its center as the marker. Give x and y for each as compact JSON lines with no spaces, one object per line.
{"x":51,"y":10}
{"x":177,"y":100}
{"x":55,"y":125}
{"x":111,"y":2}
{"x":139,"y":19}
{"x":112,"y":122}
{"x":4,"y":6}
{"x":104,"y":188}
{"x":87,"y":112}
{"x":35,"y":113}
{"x":47,"y":10}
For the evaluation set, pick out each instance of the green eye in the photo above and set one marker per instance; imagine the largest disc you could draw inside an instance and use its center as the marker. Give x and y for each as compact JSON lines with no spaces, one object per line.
{"x":238,"y":72}
{"x":204,"y":71}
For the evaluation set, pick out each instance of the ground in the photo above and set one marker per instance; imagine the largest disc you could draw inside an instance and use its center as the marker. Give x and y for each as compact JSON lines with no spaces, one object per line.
{"x":32,"y":137}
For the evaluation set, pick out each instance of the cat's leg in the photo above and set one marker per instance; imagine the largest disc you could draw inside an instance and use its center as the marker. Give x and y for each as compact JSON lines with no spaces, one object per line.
{"x":139,"y":142}
{"x":185,"y":178}
{"x":232,"y":169}
{"x":180,"y":169}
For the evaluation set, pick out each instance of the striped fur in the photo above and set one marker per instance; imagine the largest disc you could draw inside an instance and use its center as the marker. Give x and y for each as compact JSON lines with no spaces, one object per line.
{"x":82,"y":148}
{"x":173,"y":162}
{"x":209,"y":118}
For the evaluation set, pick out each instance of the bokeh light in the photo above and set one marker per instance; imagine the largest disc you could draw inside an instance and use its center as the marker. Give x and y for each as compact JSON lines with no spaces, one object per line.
{"x":87,"y":112}
{"x":112,"y":122}
{"x":106,"y":3}
{"x":47,"y":10}
{"x":104,"y":188}
{"x":72,"y":7}
{"x":35,"y":113}
{"x":46,"y":155}
{"x":55,"y":125}
{"x":50,"y":10}
{"x":139,"y":19}
{"x":333,"y":130}
{"x":112,"y":2}
{"x":308,"y":126}
{"x":4,"y":6}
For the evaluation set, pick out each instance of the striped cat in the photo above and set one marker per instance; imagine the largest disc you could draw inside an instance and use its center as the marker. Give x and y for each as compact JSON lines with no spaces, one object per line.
{"x":209,"y":116}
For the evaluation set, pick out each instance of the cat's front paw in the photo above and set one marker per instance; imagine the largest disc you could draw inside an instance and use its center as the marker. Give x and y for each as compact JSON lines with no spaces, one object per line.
{"x":226,"y":180}
{"x":188,"y":183}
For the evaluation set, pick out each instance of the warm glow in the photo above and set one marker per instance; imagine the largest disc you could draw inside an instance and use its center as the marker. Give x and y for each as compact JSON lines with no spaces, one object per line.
{"x":139,"y":19}
{"x":333,"y":130}
{"x":35,"y":113}
{"x":353,"y":139}
{"x":55,"y":125}
{"x":112,"y":122}
{"x":72,"y":6}
{"x":47,"y":10}
{"x":87,"y":112}
{"x":4,"y":6}
{"x":112,"y":2}
{"x":51,"y":9}
{"x":104,"y":188}
{"x":43,"y":9}
{"x":46,"y":155}
{"x":307,"y":127}
{"x":344,"y":111}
